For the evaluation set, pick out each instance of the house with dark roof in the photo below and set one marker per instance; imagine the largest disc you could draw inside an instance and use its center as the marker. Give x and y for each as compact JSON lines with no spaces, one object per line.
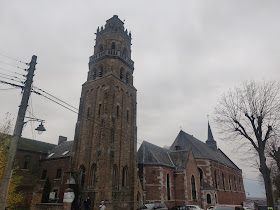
{"x":56,"y":166}
{"x":28,"y":156}
{"x":189,"y":172}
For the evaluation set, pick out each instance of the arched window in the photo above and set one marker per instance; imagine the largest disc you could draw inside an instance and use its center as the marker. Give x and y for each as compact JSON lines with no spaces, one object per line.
{"x":216,"y":200}
{"x":82,"y":175}
{"x":124,"y":177}
{"x":208,"y":198}
{"x":113,"y":46}
{"x":115,"y":175}
{"x":118,"y":110}
{"x":193,"y":188}
{"x":240,"y":186}
{"x":93,"y":175}
{"x":100,"y":48}
{"x":168,"y":186}
{"x":127,"y":77}
{"x":58,"y":173}
{"x":229,"y":181}
{"x":223,"y":179}
{"x":100,"y":71}
{"x":200,"y":175}
{"x":121,"y":73}
{"x":215,"y":177}
{"x":94,"y":74}
{"x":125,"y":51}
{"x":234,"y":183}
{"x":26,"y":162}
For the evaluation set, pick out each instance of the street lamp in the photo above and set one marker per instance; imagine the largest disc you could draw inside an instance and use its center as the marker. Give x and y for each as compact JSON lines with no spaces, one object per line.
{"x":40,"y":129}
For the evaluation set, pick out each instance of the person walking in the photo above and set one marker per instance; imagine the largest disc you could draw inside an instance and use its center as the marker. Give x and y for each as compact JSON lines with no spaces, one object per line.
{"x":87,"y":203}
{"x":102,"y":206}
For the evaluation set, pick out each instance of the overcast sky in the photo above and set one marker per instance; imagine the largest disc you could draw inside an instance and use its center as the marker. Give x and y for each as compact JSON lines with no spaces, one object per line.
{"x":186,"y":55}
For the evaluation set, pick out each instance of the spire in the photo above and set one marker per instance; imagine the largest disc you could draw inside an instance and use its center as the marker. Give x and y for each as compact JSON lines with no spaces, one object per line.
{"x":210,"y":135}
{"x":211,"y":141}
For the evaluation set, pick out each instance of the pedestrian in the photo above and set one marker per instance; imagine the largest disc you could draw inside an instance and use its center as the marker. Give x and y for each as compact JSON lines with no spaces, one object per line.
{"x":78,"y":202}
{"x":102,"y":206}
{"x":87,"y":203}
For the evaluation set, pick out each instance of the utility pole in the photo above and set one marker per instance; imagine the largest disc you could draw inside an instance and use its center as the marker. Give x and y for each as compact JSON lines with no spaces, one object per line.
{"x":7,"y":175}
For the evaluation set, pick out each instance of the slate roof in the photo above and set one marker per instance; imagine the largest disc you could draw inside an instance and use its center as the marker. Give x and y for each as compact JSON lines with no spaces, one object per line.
{"x":34,"y":145}
{"x":200,"y":149}
{"x":58,"y":150}
{"x":153,"y":155}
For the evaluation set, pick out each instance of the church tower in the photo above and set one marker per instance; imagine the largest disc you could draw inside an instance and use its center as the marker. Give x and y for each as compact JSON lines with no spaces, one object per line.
{"x":105,"y":139}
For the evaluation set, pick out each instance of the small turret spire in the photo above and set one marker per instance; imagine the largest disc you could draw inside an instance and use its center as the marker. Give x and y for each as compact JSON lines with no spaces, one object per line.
{"x":210,"y":140}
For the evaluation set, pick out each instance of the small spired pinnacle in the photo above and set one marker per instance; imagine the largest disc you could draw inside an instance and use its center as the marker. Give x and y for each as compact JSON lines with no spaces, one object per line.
{"x":211,"y":141}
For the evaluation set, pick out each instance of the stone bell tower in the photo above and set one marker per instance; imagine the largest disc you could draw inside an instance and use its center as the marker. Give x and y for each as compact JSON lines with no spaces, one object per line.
{"x":105,"y":139}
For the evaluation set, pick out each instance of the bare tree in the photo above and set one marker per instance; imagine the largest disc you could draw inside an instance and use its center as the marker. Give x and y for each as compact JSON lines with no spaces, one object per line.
{"x":251,"y":113}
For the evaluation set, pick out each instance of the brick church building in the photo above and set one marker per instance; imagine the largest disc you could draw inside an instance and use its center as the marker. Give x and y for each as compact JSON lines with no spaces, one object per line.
{"x":103,"y":163}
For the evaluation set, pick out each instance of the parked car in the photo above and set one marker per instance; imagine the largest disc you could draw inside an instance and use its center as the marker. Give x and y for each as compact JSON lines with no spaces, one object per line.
{"x":228,"y":207}
{"x":158,"y":206}
{"x":210,"y":207}
{"x":194,"y":207}
{"x":181,"y":207}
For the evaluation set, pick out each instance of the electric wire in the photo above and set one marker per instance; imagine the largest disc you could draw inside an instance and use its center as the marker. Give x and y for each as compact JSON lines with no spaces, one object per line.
{"x":12,"y":84}
{"x":13,"y":72}
{"x":12,"y":77}
{"x":13,"y":59}
{"x":8,"y":89}
{"x":13,"y":65}
{"x":55,"y":97}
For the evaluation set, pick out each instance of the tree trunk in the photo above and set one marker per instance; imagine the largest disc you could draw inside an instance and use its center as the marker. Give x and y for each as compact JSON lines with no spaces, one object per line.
{"x":267,"y":181}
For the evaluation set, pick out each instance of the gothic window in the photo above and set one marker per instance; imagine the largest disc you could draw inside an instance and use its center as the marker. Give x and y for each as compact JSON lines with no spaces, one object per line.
{"x":100,"y":48}
{"x":26,"y":162}
{"x":193,"y":188}
{"x":115,"y":173}
{"x":118,"y":110}
{"x":168,"y":186}
{"x":82,"y":176}
{"x":208,"y":198}
{"x":215,"y":177}
{"x":94,"y":74}
{"x":234,"y":181}
{"x":200,"y":175}
{"x":99,"y":109}
{"x":127,"y":77}
{"x":88,"y":112}
{"x":58,"y":174}
{"x":121,"y":73}
{"x":113,"y":46}
{"x":229,"y":181}
{"x":44,"y":174}
{"x":216,"y":200}
{"x":93,"y":175}
{"x":125,"y":52}
{"x":124,"y":177}
{"x":223,"y":179}
{"x":127,"y":115}
{"x":100,"y":71}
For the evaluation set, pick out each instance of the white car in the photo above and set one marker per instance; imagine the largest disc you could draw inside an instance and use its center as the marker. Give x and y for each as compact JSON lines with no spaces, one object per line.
{"x":194,"y":207}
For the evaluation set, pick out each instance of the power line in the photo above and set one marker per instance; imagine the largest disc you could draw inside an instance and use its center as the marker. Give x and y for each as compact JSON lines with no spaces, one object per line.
{"x":54,"y":101}
{"x":55,"y":97}
{"x":8,"y":89}
{"x":13,"y":72}
{"x":12,"y":84}
{"x":13,"y":65}
{"x":12,"y":77}
{"x":13,"y":59}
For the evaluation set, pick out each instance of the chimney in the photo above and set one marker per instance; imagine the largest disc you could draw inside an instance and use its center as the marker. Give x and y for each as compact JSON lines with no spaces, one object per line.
{"x":61,"y":139}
